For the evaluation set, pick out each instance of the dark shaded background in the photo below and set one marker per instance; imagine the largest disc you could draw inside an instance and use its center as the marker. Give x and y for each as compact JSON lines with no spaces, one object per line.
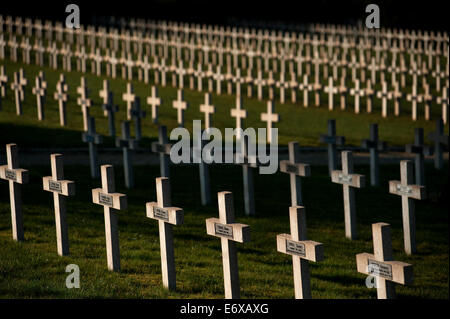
{"x":428,"y":15}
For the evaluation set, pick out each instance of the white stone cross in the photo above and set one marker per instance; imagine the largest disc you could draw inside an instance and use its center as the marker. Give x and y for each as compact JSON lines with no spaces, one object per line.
{"x":384,"y":95}
{"x":301,"y":250}
{"x":166,"y":215}
{"x":270,"y":117}
{"x":16,"y":176}
{"x":39,"y":91}
{"x":180,"y":105}
{"x":229,"y":233}
{"x":381,"y":264}
{"x":414,"y":98}
{"x":129,"y":98}
{"x":111,"y":202}
{"x":357,"y":92}
{"x":24,"y":82}
{"x":239,"y":113}
{"x":127,"y":144}
{"x":3,"y":81}
{"x":84,"y":102}
{"x":295,"y":169}
{"x":332,"y":140}
{"x":17,"y":87}
{"x":104,"y":94}
{"x":60,"y":189}
{"x":163,"y":148}
{"x":375,"y":146}
{"x":443,"y":101}
{"x":92,"y":138}
{"x":408,"y":192}
{"x":208,"y":109}
{"x":439,"y":139}
{"x":350,"y":181}
{"x":305,"y":87}
{"x":61,"y":96}
{"x":154,"y":101}
{"x":331,"y":90}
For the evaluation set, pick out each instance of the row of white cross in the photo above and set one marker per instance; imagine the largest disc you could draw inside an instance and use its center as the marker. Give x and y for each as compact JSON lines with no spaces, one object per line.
{"x":279,"y":39}
{"x":380,"y":265}
{"x":134,"y":107}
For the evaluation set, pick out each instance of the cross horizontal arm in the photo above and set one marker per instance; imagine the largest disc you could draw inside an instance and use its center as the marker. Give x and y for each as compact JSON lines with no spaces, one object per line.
{"x":62,"y":187}
{"x":307,"y":249}
{"x":396,"y":271}
{"x":412,"y":191}
{"x":114,"y":200}
{"x":18,"y":175}
{"x":353,"y":180}
{"x":295,"y":168}
{"x":233,"y":231}
{"x":171,"y":215}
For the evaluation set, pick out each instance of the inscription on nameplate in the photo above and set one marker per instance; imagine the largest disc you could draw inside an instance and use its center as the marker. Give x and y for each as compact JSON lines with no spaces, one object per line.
{"x":161,"y":213}
{"x":10,"y":174}
{"x":295,"y":248}
{"x":379,"y":269}
{"x":55,"y":186}
{"x":404,"y":190}
{"x":105,"y":199}
{"x":346,"y":179}
{"x":223,"y":230}
{"x":290,"y":168}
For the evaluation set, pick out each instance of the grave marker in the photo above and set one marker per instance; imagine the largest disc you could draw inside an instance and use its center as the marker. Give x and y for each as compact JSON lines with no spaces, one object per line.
{"x":295,"y":169}
{"x":16,"y":86}
{"x":39,"y":91}
{"x":111,"y":202}
{"x":154,"y":101}
{"x":16,"y":176}
{"x":439,"y":139}
{"x":84,"y":102}
{"x":93,"y":139}
{"x":180,"y":105}
{"x":349,"y":180}
{"x":60,"y":189}
{"x":301,"y":249}
{"x":229,"y":233}
{"x":166,"y":215}
{"x":332,"y":140}
{"x":110,"y":108}
{"x":420,"y":150}
{"x":61,"y":96}
{"x":381,"y":264}
{"x":408,"y":192}
{"x":136,"y":114}
{"x":163,"y":148}
{"x":208,"y":109}
{"x":127,"y":144}
{"x":270,"y":117}
{"x":375,"y":146}
{"x":239,"y":114}
{"x":129,"y":98}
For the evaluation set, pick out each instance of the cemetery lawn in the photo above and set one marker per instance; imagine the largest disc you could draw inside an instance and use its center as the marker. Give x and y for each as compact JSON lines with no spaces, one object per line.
{"x":297,"y":123}
{"x":33,"y":269}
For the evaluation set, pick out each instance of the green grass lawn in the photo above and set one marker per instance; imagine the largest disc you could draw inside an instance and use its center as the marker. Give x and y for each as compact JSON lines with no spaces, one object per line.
{"x":33,"y":269}
{"x":297,"y":123}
